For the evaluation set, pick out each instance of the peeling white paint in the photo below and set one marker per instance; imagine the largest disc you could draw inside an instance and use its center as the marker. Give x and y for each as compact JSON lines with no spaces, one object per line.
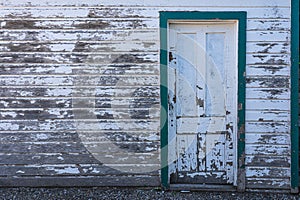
{"x":9,"y":126}
{"x":63,"y":70}
{"x":152,"y":137}
{"x":5,"y":103}
{"x":62,"y":47}
{"x":258,"y":173}
{"x":36,"y":157}
{"x":2,"y":24}
{"x":26,"y":93}
{"x":42,"y":136}
{"x":59,"y":92}
{"x":150,"y":148}
{"x":123,"y":158}
{"x":95,"y":171}
{"x":66,"y":170}
{"x":85,"y":170}
{"x":55,"y":111}
{"x":60,"y":158}
{"x":7,"y":113}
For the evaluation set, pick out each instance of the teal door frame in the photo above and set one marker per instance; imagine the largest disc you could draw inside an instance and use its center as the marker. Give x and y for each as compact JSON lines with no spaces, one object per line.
{"x":241,"y":17}
{"x":294,"y":96}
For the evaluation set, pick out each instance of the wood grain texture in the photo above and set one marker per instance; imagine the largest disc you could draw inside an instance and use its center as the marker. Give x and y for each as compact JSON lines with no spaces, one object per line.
{"x":92,"y":81}
{"x":73,"y":181}
{"x":267,"y":127}
{"x":69,"y":58}
{"x":128,"y":3}
{"x":79,"y":12}
{"x":267,"y":104}
{"x":84,"y":125}
{"x":280,"y":139}
{"x":267,"y":183}
{"x":268,"y":161}
{"x":72,"y":136}
{"x":92,"y":24}
{"x":268,"y":70}
{"x":81,"y":35}
{"x":49,"y":93}
{"x":269,"y":149}
{"x":267,"y":172}
{"x":104,"y":46}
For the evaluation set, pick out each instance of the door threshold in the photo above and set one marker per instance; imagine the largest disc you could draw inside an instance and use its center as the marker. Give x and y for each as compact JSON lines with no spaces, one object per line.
{"x":203,"y":187}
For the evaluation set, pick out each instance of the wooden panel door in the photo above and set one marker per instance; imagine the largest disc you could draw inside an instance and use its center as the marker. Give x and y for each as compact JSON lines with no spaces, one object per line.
{"x":202,"y":102}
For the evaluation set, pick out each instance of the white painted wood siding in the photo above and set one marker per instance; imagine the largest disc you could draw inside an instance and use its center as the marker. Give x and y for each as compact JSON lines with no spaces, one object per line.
{"x":45,"y":44}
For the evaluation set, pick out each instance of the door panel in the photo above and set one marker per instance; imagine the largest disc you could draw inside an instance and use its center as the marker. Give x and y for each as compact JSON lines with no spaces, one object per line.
{"x":185,"y":62}
{"x":202,"y":102}
{"x":215,"y":104}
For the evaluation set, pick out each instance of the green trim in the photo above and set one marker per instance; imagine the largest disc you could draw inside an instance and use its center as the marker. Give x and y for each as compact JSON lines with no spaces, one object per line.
{"x":294,"y":95}
{"x":164,"y":108}
{"x":241,"y":100}
{"x":164,"y":18}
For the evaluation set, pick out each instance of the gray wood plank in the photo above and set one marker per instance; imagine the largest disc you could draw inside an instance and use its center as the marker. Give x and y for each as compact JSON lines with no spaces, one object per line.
{"x":36,"y":96}
{"x":83,"y":35}
{"x":268,"y":183}
{"x":60,"y":113}
{"x":268,"y":82}
{"x":268,"y":161}
{"x":90,"y":181}
{"x":71,"y":170}
{"x":70,"y":58}
{"x":95,"y":24}
{"x":79,"y":69}
{"x":73,"y":136}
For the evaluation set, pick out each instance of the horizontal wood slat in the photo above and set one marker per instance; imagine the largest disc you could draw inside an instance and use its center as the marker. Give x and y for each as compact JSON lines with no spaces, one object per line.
{"x":72,"y":181}
{"x":130,"y":3}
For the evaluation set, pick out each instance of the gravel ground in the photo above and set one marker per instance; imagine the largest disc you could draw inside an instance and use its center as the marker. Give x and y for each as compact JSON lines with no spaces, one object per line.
{"x":130,"y":194}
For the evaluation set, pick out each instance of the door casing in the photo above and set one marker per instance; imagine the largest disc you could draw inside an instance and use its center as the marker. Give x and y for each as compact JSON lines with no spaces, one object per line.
{"x":165,"y":18}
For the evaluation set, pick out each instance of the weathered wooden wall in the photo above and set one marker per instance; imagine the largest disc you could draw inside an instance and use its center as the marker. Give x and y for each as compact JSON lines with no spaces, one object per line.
{"x":106,"y":53}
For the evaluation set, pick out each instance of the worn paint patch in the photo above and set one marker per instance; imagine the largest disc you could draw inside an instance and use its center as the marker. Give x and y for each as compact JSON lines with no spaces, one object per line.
{"x":19,"y":24}
{"x":67,"y":170}
{"x":93,"y":25}
{"x":26,"y":47}
{"x":268,"y":82}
